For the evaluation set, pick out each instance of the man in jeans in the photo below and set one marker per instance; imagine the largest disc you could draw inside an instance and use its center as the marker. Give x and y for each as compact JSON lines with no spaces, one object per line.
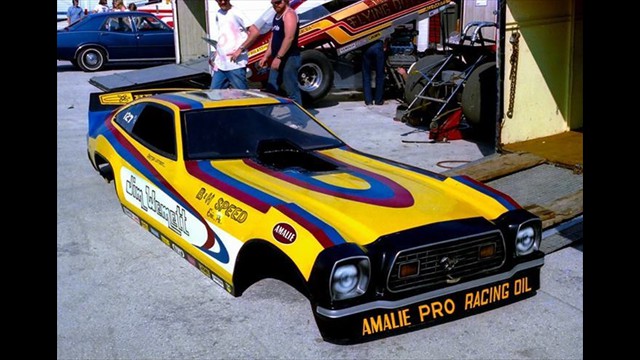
{"x":233,"y":35}
{"x":285,"y":51}
{"x":373,"y":58}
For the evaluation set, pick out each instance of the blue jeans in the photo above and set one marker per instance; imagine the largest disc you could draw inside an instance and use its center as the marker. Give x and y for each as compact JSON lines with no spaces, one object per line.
{"x":373,"y":55}
{"x":235,"y":78}
{"x":287,"y":75}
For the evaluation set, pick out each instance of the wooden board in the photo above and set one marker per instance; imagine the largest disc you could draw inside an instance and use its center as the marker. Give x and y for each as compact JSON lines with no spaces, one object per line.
{"x":492,"y":168}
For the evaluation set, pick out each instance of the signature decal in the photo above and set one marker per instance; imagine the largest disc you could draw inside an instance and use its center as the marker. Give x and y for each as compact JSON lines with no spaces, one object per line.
{"x":163,"y":208}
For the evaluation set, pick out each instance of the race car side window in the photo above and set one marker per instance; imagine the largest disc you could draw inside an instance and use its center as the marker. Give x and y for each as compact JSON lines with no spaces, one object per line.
{"x":152,"y":125}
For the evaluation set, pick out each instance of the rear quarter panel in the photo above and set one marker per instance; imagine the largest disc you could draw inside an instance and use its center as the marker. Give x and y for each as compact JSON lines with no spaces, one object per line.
{"x":69,"y":42}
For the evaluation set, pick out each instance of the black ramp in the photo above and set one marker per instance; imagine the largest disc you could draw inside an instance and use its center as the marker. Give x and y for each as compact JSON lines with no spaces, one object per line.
{"x":192,"y":74}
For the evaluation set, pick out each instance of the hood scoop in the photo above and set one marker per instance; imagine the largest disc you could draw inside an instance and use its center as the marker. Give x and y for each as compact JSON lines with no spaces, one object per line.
{"x":282,"y":154}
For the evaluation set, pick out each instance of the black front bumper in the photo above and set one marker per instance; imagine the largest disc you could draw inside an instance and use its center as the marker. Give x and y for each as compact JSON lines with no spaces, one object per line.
{"x":381,"y":318}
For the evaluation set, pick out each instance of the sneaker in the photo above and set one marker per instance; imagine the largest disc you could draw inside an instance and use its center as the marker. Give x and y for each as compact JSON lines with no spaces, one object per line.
{"x":379,"y":102}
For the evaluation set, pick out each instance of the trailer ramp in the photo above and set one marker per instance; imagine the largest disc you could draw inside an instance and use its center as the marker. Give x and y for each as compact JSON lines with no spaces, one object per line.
{"x":190,"y":74}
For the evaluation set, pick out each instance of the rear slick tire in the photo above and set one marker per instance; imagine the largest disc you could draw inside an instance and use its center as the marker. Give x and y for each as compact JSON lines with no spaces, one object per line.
{"x":479,"y":97}
{"x":315,"y":76}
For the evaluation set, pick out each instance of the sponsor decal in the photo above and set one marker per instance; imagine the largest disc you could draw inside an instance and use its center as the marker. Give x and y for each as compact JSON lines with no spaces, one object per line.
{"x":178,"y":250}
{"x":204,"y":196}
{"x":191,"y":260}
{"x":154,"y":159}
{"x":116,"y":98}
{"x":433,"y":310}
{"x":128,"y":117}
{"x":379,"y":9}
{"x":284,"y":233}
{"x":175,"y":218}
{"x":220,"y":252}
{"x":165,"y":240}
{"x":212,"y":215}
{"x":351,"y":46}
{"x":121,"y":98}
{"x":131,"y":214}
{"x":161,"y":207}
{"x":229,"y":210}
{"x":154,"y":231}
{"x":217,"y":280}
{"x":204,"y":270}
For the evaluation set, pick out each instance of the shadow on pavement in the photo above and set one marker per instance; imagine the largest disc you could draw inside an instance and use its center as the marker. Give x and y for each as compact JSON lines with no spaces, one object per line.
{"x":67,"y":66}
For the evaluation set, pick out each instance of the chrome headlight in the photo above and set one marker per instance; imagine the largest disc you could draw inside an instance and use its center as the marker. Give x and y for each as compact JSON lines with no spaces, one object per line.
{"x":249,"y":72}
{"x":527,"y":240}
{"x":350,"y":278}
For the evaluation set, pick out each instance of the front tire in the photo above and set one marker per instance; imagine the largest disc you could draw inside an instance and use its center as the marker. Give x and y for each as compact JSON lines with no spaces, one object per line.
{"x":315,"y":76}
{"x":91,"y":59}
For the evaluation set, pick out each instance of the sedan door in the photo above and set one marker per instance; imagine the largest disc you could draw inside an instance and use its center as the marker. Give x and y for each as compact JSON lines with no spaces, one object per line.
{"x":118,"y":37}
{"x":155,"y":38}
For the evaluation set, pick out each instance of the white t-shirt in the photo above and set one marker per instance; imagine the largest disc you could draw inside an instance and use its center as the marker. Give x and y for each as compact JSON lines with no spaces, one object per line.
{"x":101,"y":8}
{"x":230,"y":30}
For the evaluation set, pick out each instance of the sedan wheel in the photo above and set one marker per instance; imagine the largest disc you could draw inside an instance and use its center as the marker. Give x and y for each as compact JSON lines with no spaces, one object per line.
{"x":91,"y":59}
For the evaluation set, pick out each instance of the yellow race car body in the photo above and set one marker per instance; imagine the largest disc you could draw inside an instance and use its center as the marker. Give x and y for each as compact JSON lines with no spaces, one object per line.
{"x":246,"y":186}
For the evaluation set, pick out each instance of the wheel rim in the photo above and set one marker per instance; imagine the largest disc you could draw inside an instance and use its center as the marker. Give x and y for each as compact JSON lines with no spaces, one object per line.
{"x":310,"y":77}
{"x":91,"y":59}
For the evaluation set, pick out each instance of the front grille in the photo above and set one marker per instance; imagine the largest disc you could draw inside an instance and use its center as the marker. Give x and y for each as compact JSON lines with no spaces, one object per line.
{"x":447,"y":262}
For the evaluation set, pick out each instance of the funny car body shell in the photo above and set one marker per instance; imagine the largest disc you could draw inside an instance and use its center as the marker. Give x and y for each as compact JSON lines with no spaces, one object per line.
{"x":368,"y":240}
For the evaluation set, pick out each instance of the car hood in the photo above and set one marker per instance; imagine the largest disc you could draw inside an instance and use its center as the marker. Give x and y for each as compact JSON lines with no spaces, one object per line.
{"x":362,"y":198}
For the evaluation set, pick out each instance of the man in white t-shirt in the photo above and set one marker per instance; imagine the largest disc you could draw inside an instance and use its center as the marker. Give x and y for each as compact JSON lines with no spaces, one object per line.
{"x":233,"y":34}
{"x":101,"y":6}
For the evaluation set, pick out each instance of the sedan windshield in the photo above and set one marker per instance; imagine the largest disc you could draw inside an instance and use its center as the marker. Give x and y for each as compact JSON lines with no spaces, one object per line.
{"x":237,"y":132}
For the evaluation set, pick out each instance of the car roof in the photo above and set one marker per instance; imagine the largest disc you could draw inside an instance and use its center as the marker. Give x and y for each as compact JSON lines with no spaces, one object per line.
{"x":121,"y":13}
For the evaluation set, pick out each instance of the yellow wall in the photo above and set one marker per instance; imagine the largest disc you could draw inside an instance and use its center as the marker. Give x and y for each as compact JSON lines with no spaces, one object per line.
{"x":548,"y":95}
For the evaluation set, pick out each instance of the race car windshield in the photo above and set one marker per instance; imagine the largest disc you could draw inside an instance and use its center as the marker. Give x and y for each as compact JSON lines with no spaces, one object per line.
{"x":229,"y":133}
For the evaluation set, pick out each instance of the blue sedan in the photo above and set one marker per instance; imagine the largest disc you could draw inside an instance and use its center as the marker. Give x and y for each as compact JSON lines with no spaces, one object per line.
{"x":130,"y":36}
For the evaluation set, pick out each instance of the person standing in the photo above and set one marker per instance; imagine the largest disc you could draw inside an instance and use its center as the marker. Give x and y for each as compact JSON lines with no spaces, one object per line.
{"x":373,"y":59}
{"x":118,"y":5}
{"x":285,"y":51}
{"x":233,"y":35}
{"x":101,"y":7}
{"x":75,"y":12}
{"x":133,"y":6}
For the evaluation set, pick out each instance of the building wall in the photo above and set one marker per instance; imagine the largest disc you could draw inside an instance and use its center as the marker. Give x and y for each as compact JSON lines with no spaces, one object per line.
{"x":191,"y":23}
{"x":548,"y":86}
{"x":480,"y":10}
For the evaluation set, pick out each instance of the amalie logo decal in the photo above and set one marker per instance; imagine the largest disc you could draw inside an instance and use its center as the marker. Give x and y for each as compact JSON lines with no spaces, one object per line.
{"x":284,"y":233}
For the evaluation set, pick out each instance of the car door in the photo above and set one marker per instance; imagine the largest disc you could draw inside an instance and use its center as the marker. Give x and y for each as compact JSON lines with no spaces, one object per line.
{"x":155,"y":38}
{"x":117,"y":36}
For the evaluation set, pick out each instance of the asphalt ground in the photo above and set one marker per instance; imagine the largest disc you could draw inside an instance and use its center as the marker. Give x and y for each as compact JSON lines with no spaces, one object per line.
{"x":122,"y":294}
